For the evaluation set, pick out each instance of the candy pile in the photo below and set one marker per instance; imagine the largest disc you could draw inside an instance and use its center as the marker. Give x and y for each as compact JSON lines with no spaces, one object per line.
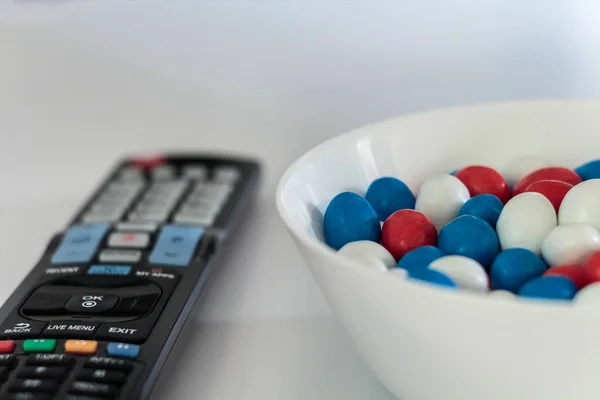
{"x":532,"y":230}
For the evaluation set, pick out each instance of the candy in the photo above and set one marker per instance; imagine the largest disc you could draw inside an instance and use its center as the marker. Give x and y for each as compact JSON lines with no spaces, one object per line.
{"x":512,"y":268}
{"x":570,"y":244}
{"x":547,"y":173}
{"x":591,"y":269}
{"x":465,"y":272}
{"x":398,"y":273}
{"x":554,"y":191}
{"x":420,"y":257}
{"x":549,"y":287}
{"x":525,"y":221}
{"x":388,"y":195}
{"x":440,"y":197}
{"x":485,"y":206}
{"x":581,"y":204}
{"x":405,"y":230}
{"x":369,"y":253}
{"x":520,"y":167}
{"x":431,"y":276}
{"x":349,"y":217}
{"x":484,"y":180}
{"x":589,"y":170}
{"x":471,"y":237}
{"x":588,"y":296}
{"x":574,"y":272}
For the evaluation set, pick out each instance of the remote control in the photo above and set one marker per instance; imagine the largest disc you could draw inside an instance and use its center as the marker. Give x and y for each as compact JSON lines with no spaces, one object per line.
{"x":101,"y":313}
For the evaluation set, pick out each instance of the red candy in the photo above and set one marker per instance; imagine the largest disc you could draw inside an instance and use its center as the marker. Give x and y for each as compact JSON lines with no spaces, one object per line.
{"x":405,"y":230}
{"x":573,"y":272}
{"x":591,"y":269}
{"x":554,"y":191}
{"x":481,"y":180}
{"x":544,"y":174}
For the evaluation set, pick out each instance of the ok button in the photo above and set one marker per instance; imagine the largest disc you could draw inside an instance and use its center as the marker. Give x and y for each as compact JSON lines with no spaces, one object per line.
{"x":91,"y":303}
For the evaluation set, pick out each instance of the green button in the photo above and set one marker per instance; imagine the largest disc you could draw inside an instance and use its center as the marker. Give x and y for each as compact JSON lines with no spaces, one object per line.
{"x":39,"y":345}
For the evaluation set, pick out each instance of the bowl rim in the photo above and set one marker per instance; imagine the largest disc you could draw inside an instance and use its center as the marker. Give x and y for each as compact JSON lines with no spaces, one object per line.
{"x":363,"y":130}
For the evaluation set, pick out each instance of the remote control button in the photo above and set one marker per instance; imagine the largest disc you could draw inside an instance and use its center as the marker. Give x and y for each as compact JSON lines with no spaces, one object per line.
{"x":8,"y":360}
{"x":129,"y":332}
{"x":34,"y":385}
{"x":176,"y":245}
{"x":196,"y":172}
{"x":28,"y":396}
{"x":109,"y":363}
{"x":147,"y":161}
{"x":7,"y":346}
{"x":102,"y":376}
{"x":94,"y":389}
{"x":91,"y":303}
{"x":120,"y":270}
{"x":131,"y":174}
{"x":39,"y":345}
{"x":137,"y":216}
{"x":138,"y":227}
{"x":102,"y":216}
{"x":226,"y":174}
{"x":45,"y":303}
{"x":43,"y":372}
{"x":123,"y":350}
{"x":80,"y":243}
{"x":135,"y":240}
{"x":85,"y":347}
{"x":163,"y":172}
{"x":21,"y":328}
{"x":136,"y":306}
{"x":69,"y":329}
{"x":64,"y":360}
{"x":204,"y":220}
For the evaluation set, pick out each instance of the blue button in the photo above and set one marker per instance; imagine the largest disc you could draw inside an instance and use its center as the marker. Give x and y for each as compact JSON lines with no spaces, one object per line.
{"x":80,"y":243}
{"x":123,"y":350}
{"x":109,"y":270}
{"x":176,"y":245}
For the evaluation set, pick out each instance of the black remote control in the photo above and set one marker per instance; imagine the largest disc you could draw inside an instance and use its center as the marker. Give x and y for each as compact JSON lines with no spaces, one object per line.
{"x":100,"y":314}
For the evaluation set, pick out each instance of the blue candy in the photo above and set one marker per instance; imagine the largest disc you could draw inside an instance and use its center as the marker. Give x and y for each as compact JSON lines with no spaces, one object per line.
{"x":549,"y":287}
{"x":388,"y":195}
{"x":431,"y":276}
{"x":348,"y":218}
{"x":471,"y":237}
{"x":512,"y":268}
{"x":485,"y":206}
{"x":589,"y":170}
{"x":420,"y":257}
{"x":454,"y":172}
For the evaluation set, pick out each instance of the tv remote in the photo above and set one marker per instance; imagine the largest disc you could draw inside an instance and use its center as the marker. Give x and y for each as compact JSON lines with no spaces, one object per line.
{"x":100,"y":314}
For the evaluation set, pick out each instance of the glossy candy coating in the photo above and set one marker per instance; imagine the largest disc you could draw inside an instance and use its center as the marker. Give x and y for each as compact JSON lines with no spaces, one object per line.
{"x":589,"y":170}
{"x":549,"y":287}
{"x":485,"y":206}
{"x":570,"y":244}
{"x":547,"y":173}
{"x":369,"y":253}
{"x":471,"y":237}
{"x":525,"y":221}
{"x":512,"y":268}
{"x":555,"y":191}
{"x":591,"y":269}
{"x":465,"y":272}
{"x":574,"y":272}
{"x":431,"y":276}
{"x":440,"y":197}
{"x":348,"y":218}
{"x":588,"y":296}
{"x":481,"y":180}
{"x":405,"y":230}
{"x":521,"y":166}
{"x":420,"y":257}
{"x":581,"y":204}
{"x":388,"y":195}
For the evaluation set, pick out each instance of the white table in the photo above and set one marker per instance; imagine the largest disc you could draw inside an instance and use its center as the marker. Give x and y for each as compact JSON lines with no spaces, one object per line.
{"x":83,"y":83}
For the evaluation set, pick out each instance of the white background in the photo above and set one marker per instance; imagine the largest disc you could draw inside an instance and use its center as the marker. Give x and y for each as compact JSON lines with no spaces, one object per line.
{"x":83,"y":82}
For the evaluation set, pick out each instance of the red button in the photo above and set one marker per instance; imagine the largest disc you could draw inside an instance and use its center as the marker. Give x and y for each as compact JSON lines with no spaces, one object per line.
{"x":7,"y":346}
{"x":148,"y":161}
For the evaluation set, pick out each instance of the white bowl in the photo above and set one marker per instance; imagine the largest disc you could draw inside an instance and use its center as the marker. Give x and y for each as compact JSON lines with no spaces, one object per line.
{"x":426,"y":343}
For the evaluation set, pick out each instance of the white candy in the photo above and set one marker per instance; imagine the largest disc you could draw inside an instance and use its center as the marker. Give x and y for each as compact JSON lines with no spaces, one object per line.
{"x":581,"y":204}
{"x":398,"y":273}
{"x":465,"y":272}
{"x":525,"y":221}
{"x":570,"y":244}
{"x":505,"y":294}
{"x":440,"y":198}
{"x":369,"y":253}
{"x":588,"y":296}
{"x":521,"y":166}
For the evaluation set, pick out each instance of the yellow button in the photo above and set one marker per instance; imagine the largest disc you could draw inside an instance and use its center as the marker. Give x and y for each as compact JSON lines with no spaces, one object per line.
{"x":81,"y":346}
